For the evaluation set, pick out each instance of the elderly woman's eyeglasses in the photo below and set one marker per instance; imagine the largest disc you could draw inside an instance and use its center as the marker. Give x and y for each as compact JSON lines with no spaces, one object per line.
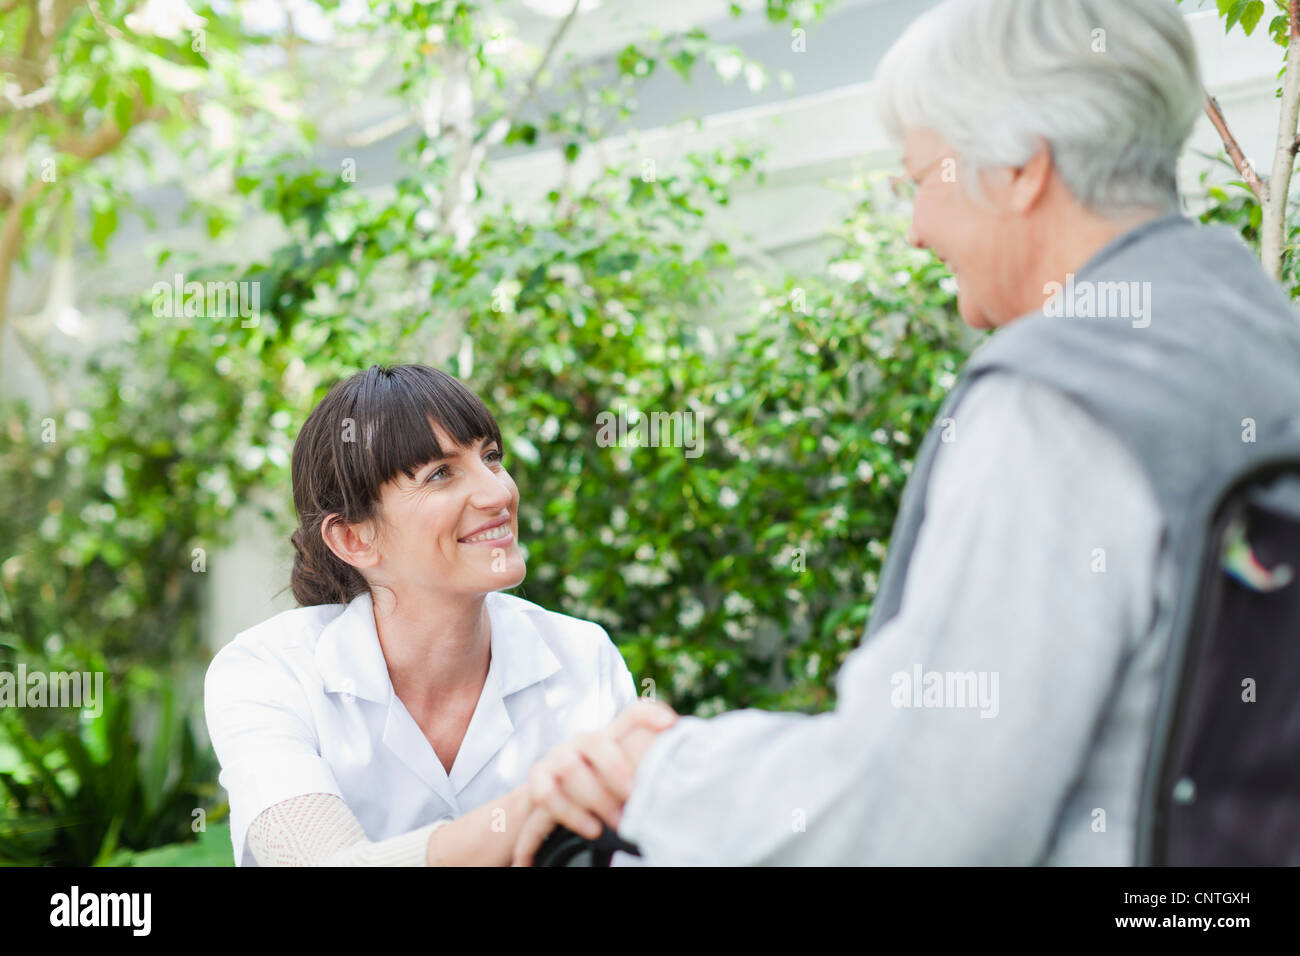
{"x":905,"y":187}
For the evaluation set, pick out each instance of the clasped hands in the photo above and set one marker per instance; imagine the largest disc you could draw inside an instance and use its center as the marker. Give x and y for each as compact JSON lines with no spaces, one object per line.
{"x":586,"y":780}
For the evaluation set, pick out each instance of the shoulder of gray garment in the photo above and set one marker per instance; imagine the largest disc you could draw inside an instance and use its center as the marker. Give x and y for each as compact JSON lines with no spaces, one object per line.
{"x":1205,"y":357}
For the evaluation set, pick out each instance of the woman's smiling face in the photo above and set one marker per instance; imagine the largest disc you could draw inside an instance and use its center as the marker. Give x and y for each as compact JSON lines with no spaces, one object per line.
{"x":454,"y":526}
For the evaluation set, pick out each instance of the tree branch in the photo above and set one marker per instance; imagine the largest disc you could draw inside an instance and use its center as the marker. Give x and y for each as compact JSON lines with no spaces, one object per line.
{"x":104,"y":25}
{"x":381,"y":130}
{"x":102,"y":139}
{"x":32,"y":37}
{"x":11,"y":238}
{"x":28,"y":101}
{"x":44,"y":368}
{"x":1257,"y":185}
{"x":107,"y":135}
{"x":499,"y":129}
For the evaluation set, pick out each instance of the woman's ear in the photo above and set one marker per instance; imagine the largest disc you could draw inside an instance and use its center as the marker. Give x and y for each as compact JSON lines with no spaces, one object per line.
{"x":353,"y":544}
{"x":1030,"y":181}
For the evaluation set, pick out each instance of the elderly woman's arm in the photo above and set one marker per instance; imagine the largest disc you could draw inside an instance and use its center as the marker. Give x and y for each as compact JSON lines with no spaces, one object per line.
{"x":318,"y":829}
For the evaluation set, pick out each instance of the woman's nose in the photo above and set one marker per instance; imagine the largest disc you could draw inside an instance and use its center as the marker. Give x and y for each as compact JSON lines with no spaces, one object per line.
{"x":490,"y":492}
{"x":913,"y":237}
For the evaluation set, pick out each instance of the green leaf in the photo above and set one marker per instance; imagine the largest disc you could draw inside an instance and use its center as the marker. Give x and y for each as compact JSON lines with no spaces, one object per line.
{"x":145,"y":79}
{"x":683,"y":62}
{"x":632,"y":62}
{"x":99,"y":92}
{"x":1280,"y":28}
{"x":217,"y":222}
{"x":211,"y":848}
{"x":462,"y":30}
{"x":1231,"y":9}
{"x":522,"y":133}
{"x":34,"y":760}
{"x":1251,"y":14}
{"x":165,"y":739}
{"x":108,"y":847}
{"x":103,"y":223}
{"x":124,"y":111}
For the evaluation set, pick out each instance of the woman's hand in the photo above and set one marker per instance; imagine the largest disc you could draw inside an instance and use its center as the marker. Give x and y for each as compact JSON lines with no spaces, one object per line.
{"x":586,"y":780}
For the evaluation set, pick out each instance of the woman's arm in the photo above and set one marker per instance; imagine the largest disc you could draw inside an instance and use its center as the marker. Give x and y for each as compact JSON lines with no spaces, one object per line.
{"x":483,"y":837}
{"x":318,"y":829}
{"x":579,"y":784}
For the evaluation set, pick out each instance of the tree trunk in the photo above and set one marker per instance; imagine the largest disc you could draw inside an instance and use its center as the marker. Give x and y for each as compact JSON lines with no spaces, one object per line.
{"x":1273,"y":238}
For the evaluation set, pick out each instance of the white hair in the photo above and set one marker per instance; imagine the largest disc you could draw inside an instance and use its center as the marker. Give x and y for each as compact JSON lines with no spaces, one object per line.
{"x":1113,"y":87}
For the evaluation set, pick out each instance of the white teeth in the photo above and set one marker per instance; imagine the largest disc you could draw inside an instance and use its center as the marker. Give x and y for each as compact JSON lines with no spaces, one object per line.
{"x":500,"y":531}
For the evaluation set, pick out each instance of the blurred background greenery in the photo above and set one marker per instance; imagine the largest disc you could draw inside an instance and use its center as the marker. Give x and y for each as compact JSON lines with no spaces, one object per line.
{"x":741,"y":577}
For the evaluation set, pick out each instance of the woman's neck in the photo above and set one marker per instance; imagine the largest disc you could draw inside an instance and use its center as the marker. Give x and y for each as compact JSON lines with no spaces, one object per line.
{"x":437,"y":648}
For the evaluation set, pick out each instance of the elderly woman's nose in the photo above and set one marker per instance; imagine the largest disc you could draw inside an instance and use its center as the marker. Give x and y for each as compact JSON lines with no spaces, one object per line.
{"x":913,"y":237}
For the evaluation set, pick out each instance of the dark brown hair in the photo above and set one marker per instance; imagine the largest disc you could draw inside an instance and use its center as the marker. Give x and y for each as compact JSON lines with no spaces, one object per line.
{"x":367,"y":429}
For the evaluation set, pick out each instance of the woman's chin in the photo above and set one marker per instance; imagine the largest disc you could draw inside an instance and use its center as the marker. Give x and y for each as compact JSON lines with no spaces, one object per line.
{"x":971,"y":313}
{"x":509,"y":576}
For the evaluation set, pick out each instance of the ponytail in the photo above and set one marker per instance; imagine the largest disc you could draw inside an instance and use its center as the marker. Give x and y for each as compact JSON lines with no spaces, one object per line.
{"x":318,"y":576}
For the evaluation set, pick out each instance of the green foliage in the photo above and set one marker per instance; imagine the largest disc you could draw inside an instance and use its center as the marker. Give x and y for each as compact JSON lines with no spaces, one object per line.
{"x":612,"y":292}
{"x":1248,"y":13}
{"x":1234,"y":204}
{"x":808,"y":421}
{"x":744,"y":575}
{"x":808,"y":415}
{"x":212,"y":848}
{"x":81,"y":79}
{"x":82,"y":794}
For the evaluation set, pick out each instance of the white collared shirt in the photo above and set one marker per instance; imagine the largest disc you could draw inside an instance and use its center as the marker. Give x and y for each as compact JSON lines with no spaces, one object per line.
{"x":302,"y":703}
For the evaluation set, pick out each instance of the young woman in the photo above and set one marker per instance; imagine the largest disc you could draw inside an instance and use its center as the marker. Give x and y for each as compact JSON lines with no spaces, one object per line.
{"x":408,"y":713}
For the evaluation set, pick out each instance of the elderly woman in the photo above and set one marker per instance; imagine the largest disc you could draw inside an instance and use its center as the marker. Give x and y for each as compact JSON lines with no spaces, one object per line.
{"x":409,"y":713}
{"x":1001,"y":707}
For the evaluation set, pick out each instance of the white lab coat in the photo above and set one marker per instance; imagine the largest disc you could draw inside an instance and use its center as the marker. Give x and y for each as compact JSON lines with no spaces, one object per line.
{"x":302,"y":703}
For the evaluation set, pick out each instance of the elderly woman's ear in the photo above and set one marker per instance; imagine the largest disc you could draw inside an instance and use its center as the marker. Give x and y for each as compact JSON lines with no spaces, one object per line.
{"x":1031,"y":180}
{"x":1018,"y":189}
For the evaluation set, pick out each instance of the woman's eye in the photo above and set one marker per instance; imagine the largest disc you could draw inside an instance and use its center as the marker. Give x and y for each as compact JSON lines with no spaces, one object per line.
{"x":494,"y":456}
{"x":437,"y":473}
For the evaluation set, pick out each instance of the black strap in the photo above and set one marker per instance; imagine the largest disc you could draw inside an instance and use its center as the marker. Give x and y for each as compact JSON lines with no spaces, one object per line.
{"x":563,"y":847}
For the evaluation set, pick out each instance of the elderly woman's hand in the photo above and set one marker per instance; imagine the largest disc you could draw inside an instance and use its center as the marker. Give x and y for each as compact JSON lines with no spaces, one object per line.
{"x":586,"y":780}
